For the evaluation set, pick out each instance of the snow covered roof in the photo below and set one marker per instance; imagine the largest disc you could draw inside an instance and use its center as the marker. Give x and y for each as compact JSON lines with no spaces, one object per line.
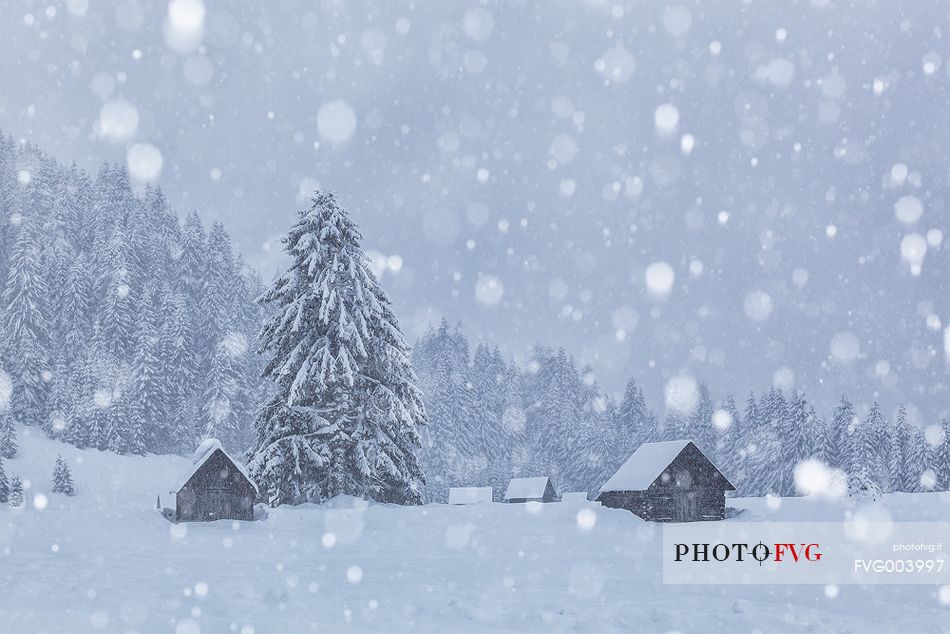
{"x":526,"y":488}
{"x":205,"y":450}
{"x":573,"y":497}
{"x":645,"y":465}
{"x":469,"y":495}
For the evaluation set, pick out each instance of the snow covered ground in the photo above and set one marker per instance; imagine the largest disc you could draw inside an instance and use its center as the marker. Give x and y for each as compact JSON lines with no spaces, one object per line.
{"x":105,"y":560}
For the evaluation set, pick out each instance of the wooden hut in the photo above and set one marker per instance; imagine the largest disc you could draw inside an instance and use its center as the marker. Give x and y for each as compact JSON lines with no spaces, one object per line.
{"x":522,"y":490}
{"x":470,"y":495}
{"x":574,"y":497}
{"x":668,"y":482}
{"x":218,"y":487}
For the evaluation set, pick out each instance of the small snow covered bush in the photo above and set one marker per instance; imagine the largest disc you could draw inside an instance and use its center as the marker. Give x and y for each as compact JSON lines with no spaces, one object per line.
{"x":862,"y":487}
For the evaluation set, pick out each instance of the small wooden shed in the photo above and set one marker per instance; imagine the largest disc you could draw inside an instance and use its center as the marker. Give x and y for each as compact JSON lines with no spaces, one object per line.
{"x":669,"y":481}
{"x":218,"y":487}
{"x":522,"y":490}
{"x":574,"y":497}
{"x":470,"y":495}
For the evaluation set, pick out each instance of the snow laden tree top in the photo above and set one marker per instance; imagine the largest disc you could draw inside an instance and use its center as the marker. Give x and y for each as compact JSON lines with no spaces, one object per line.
{"x":345,"y":413}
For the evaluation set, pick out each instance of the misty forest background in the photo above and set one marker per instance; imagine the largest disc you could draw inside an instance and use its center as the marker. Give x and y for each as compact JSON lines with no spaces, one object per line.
{"x":125,"y":329}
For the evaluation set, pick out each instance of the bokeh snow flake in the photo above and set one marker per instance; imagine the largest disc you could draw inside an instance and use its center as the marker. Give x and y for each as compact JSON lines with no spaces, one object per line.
{"x":681,"y":393}
{"x":666,"y":118}
{"x":145,"y":162}
{"x":845,"y":347}
{"x":722,"y":420}
{"x":814,"y":477}
{"x":778,"y":72}
{"x":870,"y":523}
{"x":102,"y":398}
{"x":118,"y":120}
{"x":336,"y":121}
{"x":586,"y":519}
{"x":908,"y":209}
{"x":898,"y":174}
{"x":624,"y":320}
{"x":758,"y":305}
{"x":800,"y":276}
{"x":677,"y":20}
{"x":100,"y":619}
{"x":306,"y":188}
{"x":57,"y":420}
{"x":934,"y":435}
{"x":784,"y":379}
{"x":616,"y":64}
{"x":489,"y":290}
{"x":354,"y":574}
{"x":687,"y":143}
{"x":373,"y":43}
{"x":77,"y":7}
{"x":563,"y":148}
{"x":184,"y":27}
{"x":478,"y":23}
{"x":394,"y":263}
{"x":934,"y":237}
{"x":930,"y":63}
{"x":913,"y":250}
{"x":235,"y":344}
{"x":659,"y":278}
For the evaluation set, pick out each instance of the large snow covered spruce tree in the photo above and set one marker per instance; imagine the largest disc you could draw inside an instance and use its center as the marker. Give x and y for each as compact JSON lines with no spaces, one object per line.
{"x":345,"y":413}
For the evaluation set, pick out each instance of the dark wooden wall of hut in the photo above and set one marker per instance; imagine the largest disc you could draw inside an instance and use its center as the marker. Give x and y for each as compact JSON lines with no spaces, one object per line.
{"x":217,"y":490}
{"x":667,"y":505}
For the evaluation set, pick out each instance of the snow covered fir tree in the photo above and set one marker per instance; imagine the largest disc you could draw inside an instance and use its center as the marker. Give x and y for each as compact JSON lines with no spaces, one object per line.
{"x":345,"y":411}
{"x":15,"y":498}
{"x":4,"y":485}
{"x":127,"y":330}
{"x":491,"y":419}
{"x":123,"y":329}
{"x":62,"y":478}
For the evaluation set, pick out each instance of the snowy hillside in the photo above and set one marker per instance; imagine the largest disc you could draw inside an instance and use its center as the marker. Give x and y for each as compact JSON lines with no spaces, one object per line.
{"x":105,"y":560}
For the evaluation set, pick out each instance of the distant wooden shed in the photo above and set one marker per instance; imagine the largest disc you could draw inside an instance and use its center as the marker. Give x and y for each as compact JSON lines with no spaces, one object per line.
{"x":669,"y":481}
{"x":574,"y":497}
{"x":218,"y":487}
{"x":522,"y":490}
{"x":470,"y":495}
